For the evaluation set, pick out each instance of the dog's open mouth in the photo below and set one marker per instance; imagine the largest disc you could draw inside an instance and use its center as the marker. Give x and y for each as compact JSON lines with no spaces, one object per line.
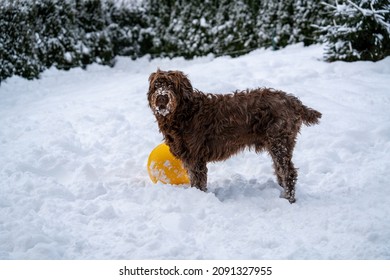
{"x":162,"y":102}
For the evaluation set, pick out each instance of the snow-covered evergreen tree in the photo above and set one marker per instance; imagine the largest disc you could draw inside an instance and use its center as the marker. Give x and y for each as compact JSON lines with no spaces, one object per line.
{"x":158,"y":20}
{"x":233,"y":28}
{"x":94,"y":36}
{"x":266,"y":24}
{"x":127,"y":23}
{"x":194,"y":28}
{"x":285,"y":23}
{"x":56,"y":33}
{"x":281,"y":23}
{"x":307,"y":15}
{"x":18,"y":51}
{"x":360,"y":30}
{"x":189,"y":29}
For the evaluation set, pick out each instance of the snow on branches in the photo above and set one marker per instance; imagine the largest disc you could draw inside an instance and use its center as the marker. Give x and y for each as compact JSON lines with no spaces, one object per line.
{"x":360,"y":30}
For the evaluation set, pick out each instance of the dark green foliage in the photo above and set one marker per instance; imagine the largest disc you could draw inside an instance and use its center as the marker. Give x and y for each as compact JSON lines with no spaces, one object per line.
{"x":196,"y":28}
{"x":309,"y":14}
{"x":56,"y":33}
{"x":18,"y":57}
{"x":234,"y":28}
{"x":126,"y":27}
{"x":39,"y":34}
{"x":281,"y":23}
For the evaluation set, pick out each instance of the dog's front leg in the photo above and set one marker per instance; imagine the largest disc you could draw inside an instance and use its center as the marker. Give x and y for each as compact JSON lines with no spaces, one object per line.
{"x":198,"y":175}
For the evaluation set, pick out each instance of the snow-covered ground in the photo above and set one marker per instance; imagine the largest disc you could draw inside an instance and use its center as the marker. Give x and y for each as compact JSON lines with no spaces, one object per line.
{"x":74,"y":185}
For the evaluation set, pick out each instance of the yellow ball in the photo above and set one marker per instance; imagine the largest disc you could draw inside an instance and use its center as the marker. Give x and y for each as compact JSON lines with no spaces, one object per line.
{"x":163,"y":166}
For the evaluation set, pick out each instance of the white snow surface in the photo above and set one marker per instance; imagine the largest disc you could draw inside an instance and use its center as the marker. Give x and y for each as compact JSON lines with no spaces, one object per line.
{"x":74,"y":183}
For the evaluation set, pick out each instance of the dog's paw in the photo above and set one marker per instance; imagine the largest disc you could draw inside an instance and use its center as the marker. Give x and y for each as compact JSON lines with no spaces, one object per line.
{"x":292,"y":200}
{"x":289,"y":196}
{"x":204,"y":189}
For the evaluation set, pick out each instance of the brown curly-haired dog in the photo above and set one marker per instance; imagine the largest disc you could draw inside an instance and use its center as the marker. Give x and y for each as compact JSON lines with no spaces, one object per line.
{"x":200,"y":128}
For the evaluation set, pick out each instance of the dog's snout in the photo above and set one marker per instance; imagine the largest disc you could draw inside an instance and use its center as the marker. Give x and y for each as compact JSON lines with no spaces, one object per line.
{"x":162,"y":100}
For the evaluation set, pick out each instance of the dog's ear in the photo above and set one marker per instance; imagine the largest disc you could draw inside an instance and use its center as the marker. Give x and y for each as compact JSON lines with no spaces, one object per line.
{"x":152,"y":78}
{"x":182,"y":83}
{"x":153,"y":75}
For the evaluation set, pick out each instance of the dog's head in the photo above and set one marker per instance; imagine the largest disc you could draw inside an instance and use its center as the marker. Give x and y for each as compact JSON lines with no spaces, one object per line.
{"x":167,"y":90}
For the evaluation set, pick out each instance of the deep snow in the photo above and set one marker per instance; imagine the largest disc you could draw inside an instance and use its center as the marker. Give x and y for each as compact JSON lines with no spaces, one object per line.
{"x":74,"y":185}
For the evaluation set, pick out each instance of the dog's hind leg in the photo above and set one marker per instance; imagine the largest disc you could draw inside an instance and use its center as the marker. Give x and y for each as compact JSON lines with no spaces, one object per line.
{"x":198,"y":175}
{"x":290,"y":182}
{"x":281,"y":153}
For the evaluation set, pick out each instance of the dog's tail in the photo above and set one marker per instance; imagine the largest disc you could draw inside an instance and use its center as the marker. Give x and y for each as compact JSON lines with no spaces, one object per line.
{"x":310,"y":116}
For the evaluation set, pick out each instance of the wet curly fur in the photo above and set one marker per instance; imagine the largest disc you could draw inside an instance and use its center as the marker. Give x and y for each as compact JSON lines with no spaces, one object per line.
{"x":201,"y":128}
